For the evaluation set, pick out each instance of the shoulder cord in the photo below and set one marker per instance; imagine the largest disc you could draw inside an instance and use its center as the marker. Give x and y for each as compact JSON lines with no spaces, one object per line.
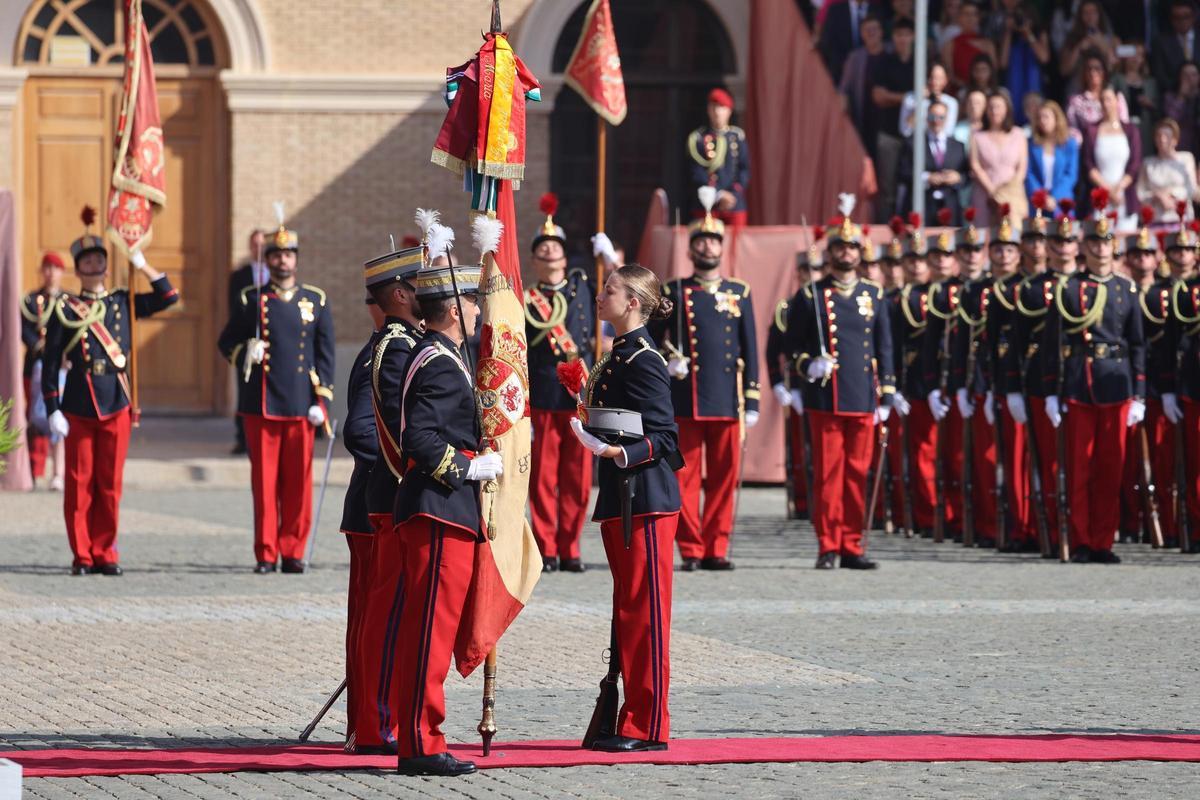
{"x":1089,"y":317}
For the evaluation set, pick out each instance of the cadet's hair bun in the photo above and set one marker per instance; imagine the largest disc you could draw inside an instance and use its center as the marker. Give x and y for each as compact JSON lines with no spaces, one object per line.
{"x":663,"y":310}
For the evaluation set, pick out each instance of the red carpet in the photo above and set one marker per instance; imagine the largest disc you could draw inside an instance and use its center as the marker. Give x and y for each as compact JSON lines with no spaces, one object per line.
{"x":289,"y":758}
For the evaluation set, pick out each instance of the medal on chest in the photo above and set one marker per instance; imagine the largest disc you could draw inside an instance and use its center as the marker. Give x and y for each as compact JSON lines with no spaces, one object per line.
{"x":306,"y":310}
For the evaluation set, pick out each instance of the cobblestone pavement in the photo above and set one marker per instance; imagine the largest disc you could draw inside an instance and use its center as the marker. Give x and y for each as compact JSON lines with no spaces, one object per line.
{"x":190,"y":648}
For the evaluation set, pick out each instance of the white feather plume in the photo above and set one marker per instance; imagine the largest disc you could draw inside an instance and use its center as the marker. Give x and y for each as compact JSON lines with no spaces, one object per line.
{"x":846,"y":202}
{"x":440,"y":239}
{"x":486,"y":232}
{"x":279,"y":215}
{"x":425,"y":219}
{"x":708,"y":196}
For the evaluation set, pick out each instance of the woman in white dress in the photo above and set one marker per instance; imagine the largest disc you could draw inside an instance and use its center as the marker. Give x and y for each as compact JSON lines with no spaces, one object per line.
{"x":1112,"y":154}
{"x":1168,"y":177}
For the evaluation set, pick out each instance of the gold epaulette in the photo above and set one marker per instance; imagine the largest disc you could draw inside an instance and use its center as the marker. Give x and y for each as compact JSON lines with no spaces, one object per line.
{"x":246,"y":293}
{"x":319,"y":292}
{"x":781,"y":310}
{"x":644,"y":346}
{"x":742,"y":283}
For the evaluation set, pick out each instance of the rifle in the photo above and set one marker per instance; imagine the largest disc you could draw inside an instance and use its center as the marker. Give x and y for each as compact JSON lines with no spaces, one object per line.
{"x":968,"y":483}
{"x":1037,"y":495}
{"x":789,"y":482}
{"x":1060,"y":441}
{"x":905,"y":482}
{"x":1150,"y":520}
{"x":1179,"y":493}
{"x":939,"y":477}
{"x":604,"y":716}
{"x":1001,"y":498}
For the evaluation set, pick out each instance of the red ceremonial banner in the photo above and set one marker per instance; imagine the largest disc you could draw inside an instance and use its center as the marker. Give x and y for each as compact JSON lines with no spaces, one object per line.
{"x":139,"y":175}
{"x":595,"y":67}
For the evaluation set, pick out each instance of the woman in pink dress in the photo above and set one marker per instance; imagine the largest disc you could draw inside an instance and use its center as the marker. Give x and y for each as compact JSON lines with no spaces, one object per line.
{"x":999,"y":157}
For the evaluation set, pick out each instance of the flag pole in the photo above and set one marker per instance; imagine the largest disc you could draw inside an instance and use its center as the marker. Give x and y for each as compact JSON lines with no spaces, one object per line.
{"x":136,"y":410}
{"x":601,"y":185}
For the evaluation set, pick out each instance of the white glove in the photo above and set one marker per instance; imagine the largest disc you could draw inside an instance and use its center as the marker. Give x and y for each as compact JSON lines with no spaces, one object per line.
{"x":486,"y":467}
{"x":256,"y":350}
{"x":58,"y":425}
{"x":315,"y":415}
{"x":901,"y":405}
{"x":1053,"y":410}
{"x":751,"y":419}
{"x":1171,"y":409}
{"x":678,"y":367}
{"x":881,"y":414}
{"x":820,"y":368}
{"x":1016,"y":407}
{"x":603,"y":246}
{"x":782,"y":395}
{"x":938,"y":406}
{"x":137,"y":259}
{"x":989,"y":408}
{"x":1136,"y":413}
{"x":965,"y":407}
{"x":797,"y":402}
{"x":586,"y":439}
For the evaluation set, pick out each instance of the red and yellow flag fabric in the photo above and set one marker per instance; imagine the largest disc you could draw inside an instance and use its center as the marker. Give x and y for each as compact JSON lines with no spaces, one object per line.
{"x":595,"y":67}
{"x":139,"y":175}
{"x":508,"y":563}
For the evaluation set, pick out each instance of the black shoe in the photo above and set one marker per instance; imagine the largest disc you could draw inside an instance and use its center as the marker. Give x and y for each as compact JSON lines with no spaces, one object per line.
{"x":1081,"y":555}
{"x":827,"y":561}
{"x":1105,"y":557}
{"x":1009,"y":547}
{"x":239,"y":449}
{"x":81,"y":569}
{"x":549,"y":564}
{"x":113,"y":570}
{"x":802,"y":515}
{"x":292,"y":566}
{"x":985,"y":542}
{"x":715,"y":564}
{"x":956,"y":537}
{"x":1128,"y":537}
{"x":925,"y":533}
{"x":624,"y":744}
{"x":442,"y":765}
{"x":1195,"y":547}
{"x":1031,"y":546}
{"x":690,"y":565}
{"x":373,"y":750}
{"x":572,"y":565}
{"x":858,"y":562}
{"x":263,"y":567}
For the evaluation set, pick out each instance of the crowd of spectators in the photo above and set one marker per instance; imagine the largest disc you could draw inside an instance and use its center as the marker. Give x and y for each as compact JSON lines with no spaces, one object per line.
{"x":1022,"y":95}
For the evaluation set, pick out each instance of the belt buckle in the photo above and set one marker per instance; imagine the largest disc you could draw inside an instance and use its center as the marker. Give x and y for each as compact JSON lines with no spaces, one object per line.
{"x":1066,"y":351}
{"x":99,"y":367}
{"x":1101,"y":350}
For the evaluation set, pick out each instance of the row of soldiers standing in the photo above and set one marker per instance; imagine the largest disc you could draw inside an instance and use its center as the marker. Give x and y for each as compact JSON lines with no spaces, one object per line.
{"x":1036,"y":388}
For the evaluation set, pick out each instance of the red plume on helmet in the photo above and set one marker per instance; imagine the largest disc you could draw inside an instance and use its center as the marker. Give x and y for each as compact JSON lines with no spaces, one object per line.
{"x":88,"y":215}
{"x":914,"y":219}
{"x":818,"y":233}
{"x":897,"y":226}
{"x":969,"y":214}
{"x":1066,"y":205}
{"x":1162,"y":240}
{"x":944,"y":216}
{"x":549,"y":204}
{"x":1039,"y":199}
{"x":1005,"y":208}
{"x":1147,"y":214}
{"x":836,"y":220}
{"x":866,"y":230}
{"x":1194,"y":226}
{"x":1181,"y":208}
{"x":1099,"y":198}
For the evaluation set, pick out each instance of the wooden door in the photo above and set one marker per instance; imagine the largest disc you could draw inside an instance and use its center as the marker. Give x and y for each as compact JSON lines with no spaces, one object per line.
{"x":69,"y":128}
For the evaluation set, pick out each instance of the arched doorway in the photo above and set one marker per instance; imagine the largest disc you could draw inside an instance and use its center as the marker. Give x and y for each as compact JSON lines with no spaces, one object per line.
{"x":672,"y":53}
{"x":73,"y":50}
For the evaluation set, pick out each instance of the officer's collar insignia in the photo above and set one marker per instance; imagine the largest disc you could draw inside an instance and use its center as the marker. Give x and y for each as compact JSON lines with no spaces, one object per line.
{"x":285,"y":295}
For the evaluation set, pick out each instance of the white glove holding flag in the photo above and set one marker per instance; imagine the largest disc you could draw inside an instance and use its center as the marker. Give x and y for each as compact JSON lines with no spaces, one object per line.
{"x":1054,"y":410}
{"x":989,"y":408}
{"x":603,"y":246}
{"x":901,"y":405}
{"x":938,"y":405}
{"x":751,"y":419}
{"x":965,"y":407}
{"x":1171,"y":409}
{"x":782,"y":395}
{"x":1016,"y":407}
{"x":797,"y":402}
{"x":137,"y":259}
{"x":678,"y":367}
{"x":486,"y":467}
{"x":586,"y":439}
{"x":316,"y":415}
{"x":1136,"y":413}
{"x":820,"y":368}
{"x":58,"y":425}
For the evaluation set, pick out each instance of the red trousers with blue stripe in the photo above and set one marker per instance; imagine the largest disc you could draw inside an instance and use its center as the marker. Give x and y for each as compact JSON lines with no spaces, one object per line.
{"x":642,"y":575}
{"x":438,"y":561}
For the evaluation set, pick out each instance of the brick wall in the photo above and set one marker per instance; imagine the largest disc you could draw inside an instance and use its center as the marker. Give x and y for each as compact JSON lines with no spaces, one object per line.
{"x":348,"y":181}
{"x":378,"y":35}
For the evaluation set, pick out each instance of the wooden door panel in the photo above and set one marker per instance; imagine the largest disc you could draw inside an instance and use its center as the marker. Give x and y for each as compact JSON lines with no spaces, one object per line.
{"x":69,"y":129}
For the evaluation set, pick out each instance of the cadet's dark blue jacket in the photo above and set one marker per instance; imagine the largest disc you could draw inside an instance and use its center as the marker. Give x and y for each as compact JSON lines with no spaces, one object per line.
{"x":358,"y":434}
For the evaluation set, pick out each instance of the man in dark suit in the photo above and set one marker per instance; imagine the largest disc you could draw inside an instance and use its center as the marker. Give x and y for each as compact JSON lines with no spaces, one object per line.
{"x":242,"y":278}
{"x":945,"y":167}
{"x":1176,"y":44}
{"x":840,"y":31}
